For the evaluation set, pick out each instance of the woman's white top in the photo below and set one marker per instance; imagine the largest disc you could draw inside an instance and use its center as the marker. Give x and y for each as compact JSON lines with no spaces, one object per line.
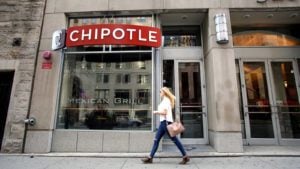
{"x":165,"y":104}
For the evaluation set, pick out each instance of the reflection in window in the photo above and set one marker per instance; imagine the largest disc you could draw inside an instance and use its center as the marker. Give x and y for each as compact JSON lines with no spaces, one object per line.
{"x":141,"y":64}
{"x":132,"y":20}
{"x":260,"y":119}
{"x":102,"y":94}
{"x":122,"y":96}
{"x":179,"y":41}
{"x":123,"y":78}
{"x":264,"y":38}
{"x":256,"y":86}
{"x":286,"y":99}
{"x":142,"y":96}
{"x":102,"y":78}
{"x":91,"y":99}
{"x":181,"y":36}
{"x":143,"y":79}
{"x":119,"y":65}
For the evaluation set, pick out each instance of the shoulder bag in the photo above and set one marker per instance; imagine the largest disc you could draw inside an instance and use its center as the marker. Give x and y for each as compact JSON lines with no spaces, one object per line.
{"x":175,"y":128}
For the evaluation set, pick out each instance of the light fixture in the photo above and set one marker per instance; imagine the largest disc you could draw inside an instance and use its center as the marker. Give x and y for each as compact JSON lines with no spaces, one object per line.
{"x":83,"y":63}
{"x":246,"y":16}
{"x":285,"y":84}
{"x":270,"y":15}
{"x":294,"y":15}
{"x":261,"y":1}
{"x":184,"y":17}
{"x":221,"y":28}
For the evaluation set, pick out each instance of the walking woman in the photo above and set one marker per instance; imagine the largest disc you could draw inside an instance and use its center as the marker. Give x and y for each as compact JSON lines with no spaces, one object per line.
{"x":165,"y":115}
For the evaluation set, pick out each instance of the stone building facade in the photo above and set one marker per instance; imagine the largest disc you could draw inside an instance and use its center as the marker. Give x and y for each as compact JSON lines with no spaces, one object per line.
{"x":20,"y":27}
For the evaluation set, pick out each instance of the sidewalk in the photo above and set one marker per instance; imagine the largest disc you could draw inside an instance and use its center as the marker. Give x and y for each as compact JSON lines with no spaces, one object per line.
{"x":254,"y":157}
{"x":192,"y":150}
{"x":39,"y":162}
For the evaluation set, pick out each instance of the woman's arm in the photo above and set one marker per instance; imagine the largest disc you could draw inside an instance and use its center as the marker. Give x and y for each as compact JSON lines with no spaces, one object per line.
{"x":164,"y":112}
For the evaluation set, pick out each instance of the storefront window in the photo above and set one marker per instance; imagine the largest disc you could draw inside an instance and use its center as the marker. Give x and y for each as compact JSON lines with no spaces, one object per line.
{"x":106,"y":91}
{"x":262,"y":38}
{"x":107,"y":86}
{"x":284,"y":35}
{"x":181,"y":36}
{"x":132,"y":20}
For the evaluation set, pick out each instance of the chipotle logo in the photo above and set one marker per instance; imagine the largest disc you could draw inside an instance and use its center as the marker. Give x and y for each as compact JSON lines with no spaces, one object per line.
{"x":113,"y":34}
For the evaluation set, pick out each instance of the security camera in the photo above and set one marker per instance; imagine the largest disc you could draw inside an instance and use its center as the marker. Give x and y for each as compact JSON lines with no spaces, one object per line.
{"x":31,"y":121}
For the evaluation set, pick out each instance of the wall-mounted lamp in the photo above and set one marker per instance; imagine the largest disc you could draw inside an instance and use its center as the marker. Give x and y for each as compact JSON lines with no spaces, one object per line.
{"x":261,"y":1}
{"x":221,"y":28}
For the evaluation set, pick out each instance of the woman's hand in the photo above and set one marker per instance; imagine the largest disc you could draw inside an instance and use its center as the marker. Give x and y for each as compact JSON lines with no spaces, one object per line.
{"x":155,"y":112}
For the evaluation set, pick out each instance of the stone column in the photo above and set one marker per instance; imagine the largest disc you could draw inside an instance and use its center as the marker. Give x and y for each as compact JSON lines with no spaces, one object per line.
{"x":46,"y":84}
{"x":20,"y":27}
{"x":222,"y":93}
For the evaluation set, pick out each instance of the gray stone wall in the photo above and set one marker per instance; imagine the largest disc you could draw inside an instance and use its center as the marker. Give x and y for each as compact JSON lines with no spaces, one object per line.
{"x":20,"y":19}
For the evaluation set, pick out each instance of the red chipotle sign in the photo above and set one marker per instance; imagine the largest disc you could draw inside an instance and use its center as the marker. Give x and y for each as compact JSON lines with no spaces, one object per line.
{"x":113,"y":34}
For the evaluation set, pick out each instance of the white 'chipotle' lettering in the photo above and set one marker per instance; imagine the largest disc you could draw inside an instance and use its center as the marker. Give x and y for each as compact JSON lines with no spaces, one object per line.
{"x":113,"y":34}
{"x":117,"y":33}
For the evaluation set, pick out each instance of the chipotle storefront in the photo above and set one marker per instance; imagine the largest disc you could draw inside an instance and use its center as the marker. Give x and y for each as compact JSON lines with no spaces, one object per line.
{"x":106,"y":84}
{"x":97,"y":94}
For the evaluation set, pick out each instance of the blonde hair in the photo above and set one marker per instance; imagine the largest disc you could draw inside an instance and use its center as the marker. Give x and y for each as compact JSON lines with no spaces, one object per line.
{"x":169,"y":95}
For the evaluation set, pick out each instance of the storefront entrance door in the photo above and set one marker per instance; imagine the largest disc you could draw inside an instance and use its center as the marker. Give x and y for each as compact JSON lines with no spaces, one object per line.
{"x":270,"y":99}
{"x":187,"y":82}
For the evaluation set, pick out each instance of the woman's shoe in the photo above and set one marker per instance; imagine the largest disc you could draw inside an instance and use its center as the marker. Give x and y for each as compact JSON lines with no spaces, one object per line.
{"x":147,"y":160}
{"x":185,"y":160}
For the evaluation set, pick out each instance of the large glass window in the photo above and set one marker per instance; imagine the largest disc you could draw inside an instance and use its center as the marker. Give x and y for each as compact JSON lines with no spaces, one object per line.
{"x":97,"y":94}
{"x":103,"y":89}
{"x":181,"y":36}
{"x":259,"y":109}
{"x":132,"y":20}
{"x":266,"y":36}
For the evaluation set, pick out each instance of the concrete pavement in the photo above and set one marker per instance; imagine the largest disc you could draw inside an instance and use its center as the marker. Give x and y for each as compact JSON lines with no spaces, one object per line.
{"x":243,"y":162}
{"x":253,"y":157}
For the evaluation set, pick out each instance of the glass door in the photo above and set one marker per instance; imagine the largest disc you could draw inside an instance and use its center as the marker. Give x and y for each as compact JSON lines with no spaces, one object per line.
{"x":270,"y":99}
{"x":258,"y":110}
{"x":286,"y":98}
{"x":190,"y":105}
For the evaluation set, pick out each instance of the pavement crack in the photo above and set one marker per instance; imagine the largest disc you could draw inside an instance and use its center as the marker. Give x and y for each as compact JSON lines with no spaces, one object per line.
{"x":123,"y":164}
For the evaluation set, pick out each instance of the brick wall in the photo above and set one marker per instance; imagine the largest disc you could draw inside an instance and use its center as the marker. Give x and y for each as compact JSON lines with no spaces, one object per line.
{"x":20,"y":28}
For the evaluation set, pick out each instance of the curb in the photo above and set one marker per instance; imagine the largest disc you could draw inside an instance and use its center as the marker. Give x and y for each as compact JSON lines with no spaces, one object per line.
{"x":158,"y":155}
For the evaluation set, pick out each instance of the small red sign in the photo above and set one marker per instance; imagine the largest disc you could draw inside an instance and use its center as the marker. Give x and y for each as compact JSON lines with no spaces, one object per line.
{"x":47,"y":65}
{"x":113,"y":34}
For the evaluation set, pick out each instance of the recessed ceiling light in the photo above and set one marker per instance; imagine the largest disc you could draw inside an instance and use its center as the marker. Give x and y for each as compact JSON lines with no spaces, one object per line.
{"x":261,"y":1}
{"x":246,"y":16}
{"x":270,"y":15}
{"x":184,"y":17}
{"x":294,"y":15}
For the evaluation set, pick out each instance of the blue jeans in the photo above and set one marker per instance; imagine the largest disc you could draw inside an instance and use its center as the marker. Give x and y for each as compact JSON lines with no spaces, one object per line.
{"x":162,"y":129}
